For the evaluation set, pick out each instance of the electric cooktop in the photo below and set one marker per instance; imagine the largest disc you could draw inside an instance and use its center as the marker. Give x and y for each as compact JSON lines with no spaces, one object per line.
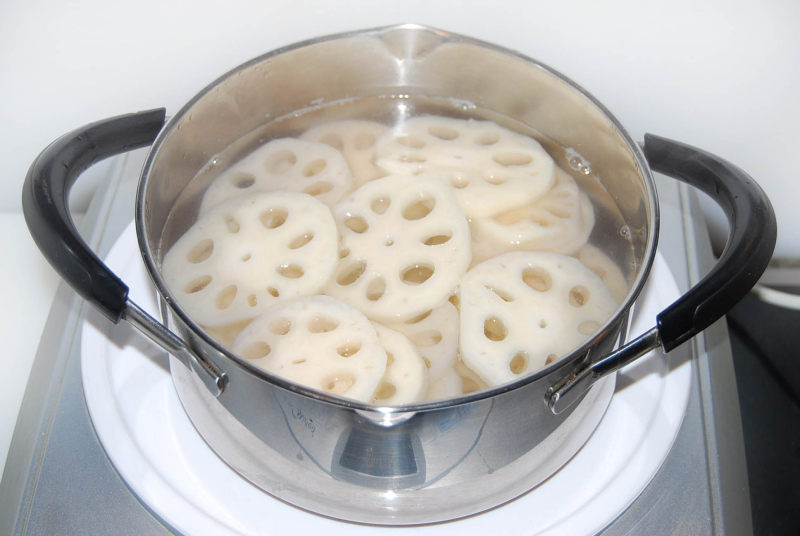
{"x":60,"y":479}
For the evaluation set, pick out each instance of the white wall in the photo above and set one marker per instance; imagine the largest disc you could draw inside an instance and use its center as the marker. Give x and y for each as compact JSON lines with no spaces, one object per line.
{"x":720,"y":75}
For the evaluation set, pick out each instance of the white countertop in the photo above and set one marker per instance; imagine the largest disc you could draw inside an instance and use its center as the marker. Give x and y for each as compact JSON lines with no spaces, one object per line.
{"x":27,"y":288}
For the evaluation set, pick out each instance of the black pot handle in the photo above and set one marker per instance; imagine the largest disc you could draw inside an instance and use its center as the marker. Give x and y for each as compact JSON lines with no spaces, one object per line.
{"x":45,"y":197}
{"x":751,"y":237}
{"x":45,"y":204}
{"x":751,"y":241}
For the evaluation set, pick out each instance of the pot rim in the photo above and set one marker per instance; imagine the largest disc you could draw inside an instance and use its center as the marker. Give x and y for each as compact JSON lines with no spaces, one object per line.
{"x":566,"y":362}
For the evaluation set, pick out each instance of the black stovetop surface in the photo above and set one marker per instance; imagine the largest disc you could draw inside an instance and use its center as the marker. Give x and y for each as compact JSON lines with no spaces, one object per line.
{"x":765,"y":341}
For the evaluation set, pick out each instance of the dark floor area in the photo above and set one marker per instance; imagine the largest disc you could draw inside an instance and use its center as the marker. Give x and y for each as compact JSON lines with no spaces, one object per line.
{"x":766,"y":352}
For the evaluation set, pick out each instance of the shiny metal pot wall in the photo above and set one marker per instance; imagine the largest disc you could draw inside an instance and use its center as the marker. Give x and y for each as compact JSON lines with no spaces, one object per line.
{"x":413,"y":466}
{"x":426,"y":462}
{"x":395,"y":468}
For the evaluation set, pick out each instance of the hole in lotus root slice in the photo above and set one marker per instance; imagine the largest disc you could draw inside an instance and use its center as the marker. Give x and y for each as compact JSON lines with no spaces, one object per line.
{"x":437,"y":240}
{"x":242,"y":180}
{"x":578,"y":296}
{"x":280,"y":161}
{"x":420,"y":317}
{"x":344,"y":252}
{"x":300,"y":240}
{"x":338,"y":384}
{"x":495,"y":179}
{"x":273,"y":218}
{"x":349,"y":348}
{"x":411,"y":141}
{"x":494,"y":329}
{"x":518,"y":363}
{"x":419,"y":209}
{"x":487,"y":138}
{"x":376,"y":289}
{"x":226,"y":296}
{"x":443,"y":132}
{"x":512,"y":159}
{"x":256,"y":350}
{"x":380,"y":204}
{"x":252,"y":300}
{"x":290,"y":271}
{"x":502,"y":294}
{"x":385,"y":391}
{"x":246,"y":257}
{"x":280,"y":326}
{"x":201,"y":251}
{"x":197,"y":284}
{"x":588,"y":327}
{"x":459,"y":182}
{"x":416,"y":274}
{"x":231,"y":224}
{"x":357,"y":224}
{"x":318,"y":188}
{"x":315,"y":167}
{"x":273,"y":292}
{"x":322,"y":324}
{"x":455,"y":300}
{"x":537,"y":278}
{"x":350,"y":273}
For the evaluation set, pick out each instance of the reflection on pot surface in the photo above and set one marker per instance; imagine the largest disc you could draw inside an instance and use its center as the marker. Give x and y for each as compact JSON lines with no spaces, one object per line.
{"x":389,"y":468}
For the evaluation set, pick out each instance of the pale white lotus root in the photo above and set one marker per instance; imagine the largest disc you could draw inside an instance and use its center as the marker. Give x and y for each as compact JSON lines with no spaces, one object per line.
{"x":318,"y":342}
{"x":523,"y":310}
{"x":491,"y":168}
{"x":603,"y":266}
{"x":355,"y":139}
{"x":470,"y":382}
{"x":245,"y":254}
{"x":404,"y":247}
{"x":406,"y":377}
{"x":435,"y":334}
{"x":560,"y":222}
{"x":284,"y":164}
{"x":449,"y":385}
{"x":457,"y":380}
{"x":226,"y":334}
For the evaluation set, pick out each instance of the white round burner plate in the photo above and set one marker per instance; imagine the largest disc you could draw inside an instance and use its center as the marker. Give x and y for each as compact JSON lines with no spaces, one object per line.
{"x":153,"y":445}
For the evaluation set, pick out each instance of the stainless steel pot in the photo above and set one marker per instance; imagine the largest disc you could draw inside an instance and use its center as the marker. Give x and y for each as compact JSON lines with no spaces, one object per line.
{"x":427,"y":462}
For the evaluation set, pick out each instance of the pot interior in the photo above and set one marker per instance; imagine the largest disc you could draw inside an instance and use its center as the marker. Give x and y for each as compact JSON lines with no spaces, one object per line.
{"x":388,"y":75}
